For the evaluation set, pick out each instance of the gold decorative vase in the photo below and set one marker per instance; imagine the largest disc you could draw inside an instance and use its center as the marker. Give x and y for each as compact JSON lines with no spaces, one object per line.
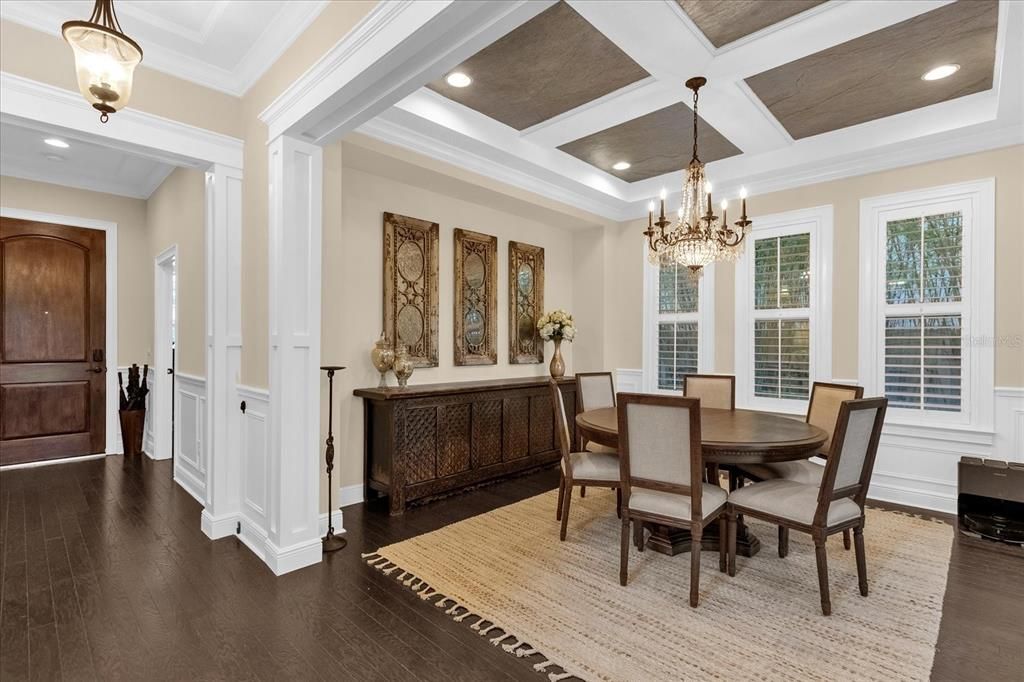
{"x":402,"y":365}
{"x":382,"y":356}
{"x":557,"y":366}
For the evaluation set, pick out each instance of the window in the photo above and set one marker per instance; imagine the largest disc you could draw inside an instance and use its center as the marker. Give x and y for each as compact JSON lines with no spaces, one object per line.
{"x":927,"y":293}
{"x":678,"y":325}
{"x":783,"y":344}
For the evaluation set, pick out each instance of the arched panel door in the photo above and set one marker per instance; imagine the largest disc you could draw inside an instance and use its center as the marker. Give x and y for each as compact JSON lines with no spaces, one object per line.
{"x":52,"y":341}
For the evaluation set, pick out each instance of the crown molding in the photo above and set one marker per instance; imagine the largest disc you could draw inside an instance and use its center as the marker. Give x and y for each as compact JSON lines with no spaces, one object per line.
{"x":292,"y":20}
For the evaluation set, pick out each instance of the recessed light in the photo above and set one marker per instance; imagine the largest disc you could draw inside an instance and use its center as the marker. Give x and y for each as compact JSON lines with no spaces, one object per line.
{"x":56,"y":142}
{"x":940,"y":72}
{"x":621,"y":165}
{"x":457,"y":79}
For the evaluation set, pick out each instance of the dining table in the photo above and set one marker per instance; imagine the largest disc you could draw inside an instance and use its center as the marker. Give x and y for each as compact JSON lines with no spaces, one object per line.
{"x":728,"y":438}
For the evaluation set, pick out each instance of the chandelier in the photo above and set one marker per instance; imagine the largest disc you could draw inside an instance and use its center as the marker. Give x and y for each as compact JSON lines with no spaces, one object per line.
{"x":105,"y":59}
{"x":698,"y":237}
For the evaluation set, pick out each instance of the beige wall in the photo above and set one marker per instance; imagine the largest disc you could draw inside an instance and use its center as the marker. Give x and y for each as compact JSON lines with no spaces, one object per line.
{"x":624,"y":286}
{"x":134,"y":268}
{"x":364,"y":186}
{"x":175,"y":215}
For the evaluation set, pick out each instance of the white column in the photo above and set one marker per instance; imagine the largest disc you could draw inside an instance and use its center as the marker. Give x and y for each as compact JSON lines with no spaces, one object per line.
{"x":296,"y":194}
{"x":222,"y":426}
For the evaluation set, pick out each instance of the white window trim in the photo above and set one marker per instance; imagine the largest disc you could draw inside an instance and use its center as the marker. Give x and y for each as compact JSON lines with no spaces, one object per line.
{"x":705,"y":317}
{"x":818,"y":221}
{"x":978,"y":282}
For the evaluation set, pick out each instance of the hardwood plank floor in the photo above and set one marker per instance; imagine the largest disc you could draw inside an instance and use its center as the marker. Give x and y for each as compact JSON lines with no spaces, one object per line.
{"x":105,"y":574}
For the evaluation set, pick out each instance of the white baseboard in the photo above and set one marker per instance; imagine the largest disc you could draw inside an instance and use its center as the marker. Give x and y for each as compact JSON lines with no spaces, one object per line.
{"x":914,"y":492}
{"x":336,"y":517}
{"x":216,"y":528}
{"x":350,"y":494}
{"x":190,"y":484}
{"x":48,"y":462}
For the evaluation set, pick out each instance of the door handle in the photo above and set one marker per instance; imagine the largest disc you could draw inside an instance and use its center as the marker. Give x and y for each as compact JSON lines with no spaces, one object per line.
{"x":97,"y":370}
{"x":170,"y":371}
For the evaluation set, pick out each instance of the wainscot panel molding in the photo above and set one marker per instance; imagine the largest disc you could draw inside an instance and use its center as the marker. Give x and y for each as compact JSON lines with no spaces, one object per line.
{"x":917,"y":465}
{"x":189,"y":432}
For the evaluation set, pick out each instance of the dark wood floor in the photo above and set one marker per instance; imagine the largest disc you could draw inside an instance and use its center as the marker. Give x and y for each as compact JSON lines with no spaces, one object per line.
{"x":105,"y":574}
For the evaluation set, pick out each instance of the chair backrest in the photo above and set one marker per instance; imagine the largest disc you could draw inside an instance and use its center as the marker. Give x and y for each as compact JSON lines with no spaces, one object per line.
{"x":595,"y":390}
{"x":851,"y":459}
{"x":714,"y":390}
{"x":561,"y":422}
{"x":823,"y":409}
{"x":659,"y":445}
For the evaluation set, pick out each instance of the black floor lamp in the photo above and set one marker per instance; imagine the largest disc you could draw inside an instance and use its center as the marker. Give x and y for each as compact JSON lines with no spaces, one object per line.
{"x":332,"y":542}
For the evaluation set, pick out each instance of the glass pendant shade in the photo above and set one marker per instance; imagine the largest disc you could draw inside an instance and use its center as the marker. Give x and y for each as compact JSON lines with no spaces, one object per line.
{"x":105,"y":59}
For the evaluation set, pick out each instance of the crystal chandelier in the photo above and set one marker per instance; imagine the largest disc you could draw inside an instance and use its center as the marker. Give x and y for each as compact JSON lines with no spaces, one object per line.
{"x":105,"y":59}
{"x":698,"y":237}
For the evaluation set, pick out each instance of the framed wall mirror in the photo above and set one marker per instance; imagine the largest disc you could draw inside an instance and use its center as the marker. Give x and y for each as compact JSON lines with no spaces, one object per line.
{"x":410,"y":286}
{"x":476,"y":298}
{"x":525,"y":302}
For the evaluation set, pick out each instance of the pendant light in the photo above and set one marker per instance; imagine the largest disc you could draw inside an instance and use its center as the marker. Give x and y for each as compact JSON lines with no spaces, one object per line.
{"x":105,"y":59}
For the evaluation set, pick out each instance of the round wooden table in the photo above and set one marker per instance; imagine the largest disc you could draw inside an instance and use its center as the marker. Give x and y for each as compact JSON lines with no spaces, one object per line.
{"x":728,"y":437}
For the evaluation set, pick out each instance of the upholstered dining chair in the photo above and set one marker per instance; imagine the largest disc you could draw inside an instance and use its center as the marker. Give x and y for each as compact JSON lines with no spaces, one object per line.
{"x":714,"y":390}
{"x":594,"y":390}
{"x":600,"y":469}
{"x":822,"y":411}
{"x":831,"y":506}
{"x":661,"y":465}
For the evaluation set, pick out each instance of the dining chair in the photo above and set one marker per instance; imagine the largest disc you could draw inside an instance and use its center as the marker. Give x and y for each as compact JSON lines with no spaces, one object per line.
{"x":661,"y":465}
{"x":714,"y":390}
{"x":594,"y":391}
{"x":599,"y":469}
{"x":822,"y":411}
{"x":831,"y":506}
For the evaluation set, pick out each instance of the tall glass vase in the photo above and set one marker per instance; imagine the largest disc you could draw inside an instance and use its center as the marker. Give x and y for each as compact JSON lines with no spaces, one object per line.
{"x":557,"y":364}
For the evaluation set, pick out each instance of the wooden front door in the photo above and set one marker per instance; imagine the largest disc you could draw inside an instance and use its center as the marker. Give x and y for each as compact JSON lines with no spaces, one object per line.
{"x":52,"y":341}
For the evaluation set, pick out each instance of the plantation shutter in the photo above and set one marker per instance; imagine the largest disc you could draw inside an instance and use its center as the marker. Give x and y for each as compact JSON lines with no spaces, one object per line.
{"x":677,"y":349}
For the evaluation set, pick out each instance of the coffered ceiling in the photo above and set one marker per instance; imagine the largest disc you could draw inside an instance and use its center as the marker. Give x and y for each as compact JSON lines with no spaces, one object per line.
{"x":798,"y":91}
{"x":222,"y":44}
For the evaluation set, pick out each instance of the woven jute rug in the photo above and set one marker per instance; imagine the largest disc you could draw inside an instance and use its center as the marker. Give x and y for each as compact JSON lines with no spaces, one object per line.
{"x":506,"y":575}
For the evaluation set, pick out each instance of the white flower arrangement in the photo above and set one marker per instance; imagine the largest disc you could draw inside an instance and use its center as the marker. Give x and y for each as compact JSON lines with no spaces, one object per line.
{"x":557,"y":324}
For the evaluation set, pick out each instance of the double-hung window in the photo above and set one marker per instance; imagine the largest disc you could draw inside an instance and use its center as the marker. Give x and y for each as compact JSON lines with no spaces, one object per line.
{"x":783,"y":339}
{"x":678,"y":325}
{"x":924,"y":314}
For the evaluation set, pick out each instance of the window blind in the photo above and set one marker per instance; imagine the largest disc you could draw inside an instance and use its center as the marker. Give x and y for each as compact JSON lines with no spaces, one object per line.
{"x":677,"y":349}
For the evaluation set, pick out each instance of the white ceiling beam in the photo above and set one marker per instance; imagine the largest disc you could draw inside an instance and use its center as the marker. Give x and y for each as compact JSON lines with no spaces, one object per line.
{"x":819,"y":31}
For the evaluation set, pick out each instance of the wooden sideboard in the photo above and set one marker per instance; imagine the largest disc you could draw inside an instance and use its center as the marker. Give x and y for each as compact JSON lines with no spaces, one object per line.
{"x":428,"y":441}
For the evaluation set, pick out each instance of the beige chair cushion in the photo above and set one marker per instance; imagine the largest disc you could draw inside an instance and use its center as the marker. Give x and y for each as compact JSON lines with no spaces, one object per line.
{"x":713,"y":392}
{"x":597,"y":447}
{"x":800,"y":471}
{"x":793,"y":501}
{"x":594,"y":466}
{"x":673,"y":505}
{"x":596,"y":391}
{"x":824,"y":409}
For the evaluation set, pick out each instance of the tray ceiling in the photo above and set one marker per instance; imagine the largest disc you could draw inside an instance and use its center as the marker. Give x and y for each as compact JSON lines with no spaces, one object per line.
{"x":879,"y":74}
{"x":551,"y":64}
{"x":724,"y":21}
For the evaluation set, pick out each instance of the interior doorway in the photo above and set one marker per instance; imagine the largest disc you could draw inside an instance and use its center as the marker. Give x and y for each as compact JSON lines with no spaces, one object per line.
{"x":53,"y":353}
{"x":165,"y":341}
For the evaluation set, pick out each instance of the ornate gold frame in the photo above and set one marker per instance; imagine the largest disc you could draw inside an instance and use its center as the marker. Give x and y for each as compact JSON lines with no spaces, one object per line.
{"x":529,"y":305}
{"x":417,"y":292}
{"x":483,"y":299}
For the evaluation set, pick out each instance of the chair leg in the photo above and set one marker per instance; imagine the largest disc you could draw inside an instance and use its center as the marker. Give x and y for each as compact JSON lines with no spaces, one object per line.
{"x":583,"y":491}
{"x":695,"y":534}
{"x":846,"y":539}
{"x":723,"y":543}
{"x":618,"y":502}
{"x":638,"y":535}
{"x":783,"y":542}
{"x":732,"y":543}
{"x":561,"y":498}
{"x":862,"y":567}
{"x":822,"y":559}
{"x":565,"y":510}
{"x":624,"y":551}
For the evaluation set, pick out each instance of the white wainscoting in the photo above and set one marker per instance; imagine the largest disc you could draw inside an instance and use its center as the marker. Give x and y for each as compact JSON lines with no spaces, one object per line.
{"x":917,"y":466}
{"x":256,"y":472}
{"x":189,"y":427}
{"x":147,"y":433}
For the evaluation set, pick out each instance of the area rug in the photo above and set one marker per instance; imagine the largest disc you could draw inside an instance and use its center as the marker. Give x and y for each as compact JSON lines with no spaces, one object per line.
{"x":506,"y":575}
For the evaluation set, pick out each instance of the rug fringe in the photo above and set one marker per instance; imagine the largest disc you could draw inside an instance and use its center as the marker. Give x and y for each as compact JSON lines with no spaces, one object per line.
{"x":482,"y":625}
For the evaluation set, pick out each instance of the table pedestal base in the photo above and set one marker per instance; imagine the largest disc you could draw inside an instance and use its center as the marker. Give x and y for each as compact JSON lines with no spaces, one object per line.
{"x":672,"y":541}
